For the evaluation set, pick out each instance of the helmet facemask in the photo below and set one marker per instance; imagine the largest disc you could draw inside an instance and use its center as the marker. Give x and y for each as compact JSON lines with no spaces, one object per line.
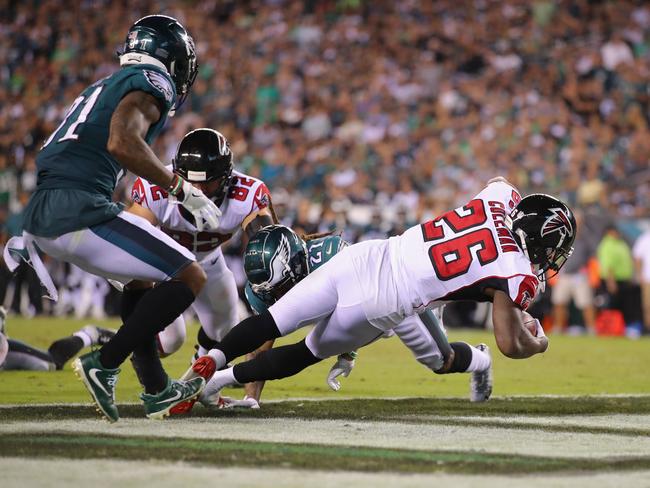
{"x":205,"y":159}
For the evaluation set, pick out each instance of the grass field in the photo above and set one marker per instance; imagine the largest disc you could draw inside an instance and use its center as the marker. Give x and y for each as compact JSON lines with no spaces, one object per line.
{"x":578,"y":415}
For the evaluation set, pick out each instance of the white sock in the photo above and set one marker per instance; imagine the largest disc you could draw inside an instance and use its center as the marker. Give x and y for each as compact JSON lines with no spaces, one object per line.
{"x":219,"y":357}
{"x":219,"y":381}
{"x":201,"y":351}
{"x":88,"y":341}
{"x":480,"y":360}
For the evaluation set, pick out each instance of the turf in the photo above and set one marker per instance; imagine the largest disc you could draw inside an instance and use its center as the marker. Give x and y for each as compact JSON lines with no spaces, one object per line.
{"x":313,"y":456}
{"x":572,"y":366}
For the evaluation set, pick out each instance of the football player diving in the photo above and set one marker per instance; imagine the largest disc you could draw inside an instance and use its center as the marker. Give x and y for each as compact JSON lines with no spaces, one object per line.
{"x":107,"y":130}
{"x":498,"y":247}
{"x":276,"y":259}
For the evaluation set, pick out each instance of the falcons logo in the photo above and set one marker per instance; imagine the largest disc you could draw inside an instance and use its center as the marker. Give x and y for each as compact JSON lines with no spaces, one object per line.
{"x":558,"y":222}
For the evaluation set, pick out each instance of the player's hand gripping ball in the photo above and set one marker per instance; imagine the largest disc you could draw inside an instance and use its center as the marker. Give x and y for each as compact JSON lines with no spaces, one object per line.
{"x":532,"y":324}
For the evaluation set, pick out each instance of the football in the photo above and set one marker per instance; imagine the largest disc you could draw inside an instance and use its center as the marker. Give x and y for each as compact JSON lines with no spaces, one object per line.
{"x":529,"y":322}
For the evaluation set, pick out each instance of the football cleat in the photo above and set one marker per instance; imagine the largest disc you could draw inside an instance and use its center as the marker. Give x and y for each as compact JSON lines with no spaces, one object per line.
{"x":98,"y":335}
{"x":204,"y":367}
{"x":160,"y":405}
{"x":211,"y":396}
{"x":481,"y":381}
{"x":100,"y":383}
{"x":213,"y":400}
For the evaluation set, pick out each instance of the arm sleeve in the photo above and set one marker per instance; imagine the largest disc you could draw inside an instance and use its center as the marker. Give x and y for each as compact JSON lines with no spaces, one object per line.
{"x":522,"y":289}
{"x":139,"y":193}
{"x":261,"y":199}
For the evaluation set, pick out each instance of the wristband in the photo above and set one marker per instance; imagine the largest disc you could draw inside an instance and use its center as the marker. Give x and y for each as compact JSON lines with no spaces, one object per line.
{"x":176,"y":185}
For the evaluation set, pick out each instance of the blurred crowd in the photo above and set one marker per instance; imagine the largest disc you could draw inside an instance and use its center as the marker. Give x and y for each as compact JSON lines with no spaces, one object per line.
{"x":369,"y":116}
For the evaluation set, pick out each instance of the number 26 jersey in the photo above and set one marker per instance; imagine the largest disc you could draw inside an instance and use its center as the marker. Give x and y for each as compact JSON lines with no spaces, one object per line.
{"x":461,"y":253}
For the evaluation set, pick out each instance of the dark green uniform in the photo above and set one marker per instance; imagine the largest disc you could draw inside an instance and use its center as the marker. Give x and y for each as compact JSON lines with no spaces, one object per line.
{"x":76,"y":173}
{"x":319,"y":251}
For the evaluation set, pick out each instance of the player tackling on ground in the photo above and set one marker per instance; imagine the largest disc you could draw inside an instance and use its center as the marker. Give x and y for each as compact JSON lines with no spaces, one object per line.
{"x":71,"y":216}
{"x":495,"y":248}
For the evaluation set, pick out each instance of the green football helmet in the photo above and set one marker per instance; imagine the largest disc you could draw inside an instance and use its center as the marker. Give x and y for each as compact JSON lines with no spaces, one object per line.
{"x":274,"y":261}
{"x":162,"y":41}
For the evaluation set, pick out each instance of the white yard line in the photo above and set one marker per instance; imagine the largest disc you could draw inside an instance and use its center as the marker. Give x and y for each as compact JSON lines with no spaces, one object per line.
{"x":620,"y":421}
{"x":20,"y":472}
{"x":360,"y":433}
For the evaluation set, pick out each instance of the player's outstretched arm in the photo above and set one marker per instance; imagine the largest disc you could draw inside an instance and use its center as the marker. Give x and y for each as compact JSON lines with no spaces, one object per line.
{"x":135,"y":113}
{"x":513,"y":338}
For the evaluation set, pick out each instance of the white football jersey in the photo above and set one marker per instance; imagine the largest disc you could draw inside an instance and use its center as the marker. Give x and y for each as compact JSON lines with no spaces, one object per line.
{"x":459,"y":254}
{"x":245,"y":196}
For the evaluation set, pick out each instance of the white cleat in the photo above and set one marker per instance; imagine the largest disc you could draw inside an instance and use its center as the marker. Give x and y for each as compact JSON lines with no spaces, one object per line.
{"x":211,"y":395}
{"x":480,"y":385}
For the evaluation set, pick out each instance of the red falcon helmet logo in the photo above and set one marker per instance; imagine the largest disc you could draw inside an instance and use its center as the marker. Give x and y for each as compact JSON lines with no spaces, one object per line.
{"x":558,"y":222}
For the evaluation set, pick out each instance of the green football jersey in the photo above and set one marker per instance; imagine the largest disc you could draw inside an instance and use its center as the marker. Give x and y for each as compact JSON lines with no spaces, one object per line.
{"x":319,"y":251}
{"x":76,"y":173}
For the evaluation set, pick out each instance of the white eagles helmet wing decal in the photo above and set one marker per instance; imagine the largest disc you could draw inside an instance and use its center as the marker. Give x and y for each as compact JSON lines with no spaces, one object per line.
{"x":278,"y":266}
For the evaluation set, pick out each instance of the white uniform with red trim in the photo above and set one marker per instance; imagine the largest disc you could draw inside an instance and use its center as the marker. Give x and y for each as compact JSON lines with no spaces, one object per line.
{"x":216,"y":305}
{"x":373,"y":286}
{"x":459,"y":254}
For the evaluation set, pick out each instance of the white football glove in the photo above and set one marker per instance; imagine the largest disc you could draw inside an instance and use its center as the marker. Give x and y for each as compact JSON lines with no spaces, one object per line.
{"x":246,"y":402}
{"x":201,"y":207}
{"x":342,"y":366}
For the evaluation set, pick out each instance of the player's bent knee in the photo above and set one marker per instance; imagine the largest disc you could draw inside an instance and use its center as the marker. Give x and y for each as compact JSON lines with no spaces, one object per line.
{"x":194,"y":277}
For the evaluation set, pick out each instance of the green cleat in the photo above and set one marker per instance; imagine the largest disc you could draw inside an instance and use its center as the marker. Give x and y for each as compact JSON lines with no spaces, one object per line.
{"x":100,"y":382}
{"x":158,"y":406}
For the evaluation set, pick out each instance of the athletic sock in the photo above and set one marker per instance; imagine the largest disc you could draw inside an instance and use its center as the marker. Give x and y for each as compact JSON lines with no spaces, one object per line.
{"x":480,"y":360}
{"x":204,"y":341}
{"x":85,"y":338}
{"x":63,"y":350}
{"x":276,"y":363}
{"x":462,"y":357}
{"x":130,"y":299}
{"x":247,"y":336}
{"x":154,"y":311}
{"x":148,"y":368}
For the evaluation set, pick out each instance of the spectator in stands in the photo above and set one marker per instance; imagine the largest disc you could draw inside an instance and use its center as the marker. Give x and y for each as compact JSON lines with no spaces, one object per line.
{"x":370,"y":104}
